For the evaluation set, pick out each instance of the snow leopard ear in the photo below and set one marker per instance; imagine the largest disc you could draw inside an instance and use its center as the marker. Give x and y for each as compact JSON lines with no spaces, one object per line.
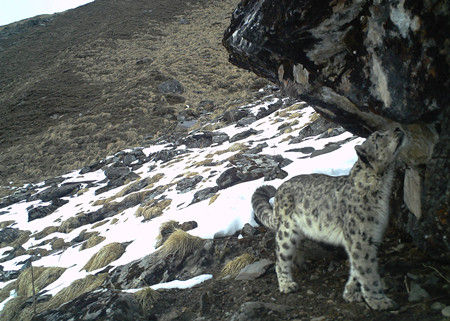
{"x":362,"y":154}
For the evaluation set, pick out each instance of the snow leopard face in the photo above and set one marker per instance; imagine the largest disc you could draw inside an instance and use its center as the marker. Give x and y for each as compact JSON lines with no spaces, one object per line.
{"x":381,"y":148}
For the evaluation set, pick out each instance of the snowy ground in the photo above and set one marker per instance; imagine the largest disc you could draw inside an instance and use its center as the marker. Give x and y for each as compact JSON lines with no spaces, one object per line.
{"x":226,"y":215}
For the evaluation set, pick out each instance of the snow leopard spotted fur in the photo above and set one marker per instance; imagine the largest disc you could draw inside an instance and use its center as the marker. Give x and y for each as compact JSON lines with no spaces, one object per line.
{"x":351,"y":211}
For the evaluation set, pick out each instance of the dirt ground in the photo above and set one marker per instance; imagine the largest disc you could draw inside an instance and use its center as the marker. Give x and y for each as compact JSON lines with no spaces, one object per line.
{"x":322,"y":280}
{"x":84,"y":84}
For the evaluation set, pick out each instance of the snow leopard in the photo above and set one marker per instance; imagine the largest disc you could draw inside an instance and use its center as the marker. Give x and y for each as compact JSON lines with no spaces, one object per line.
{"x":350,"y":211}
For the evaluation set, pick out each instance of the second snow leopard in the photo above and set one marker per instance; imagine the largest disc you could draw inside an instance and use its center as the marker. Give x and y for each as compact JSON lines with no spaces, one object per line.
{"x":351,"y":211}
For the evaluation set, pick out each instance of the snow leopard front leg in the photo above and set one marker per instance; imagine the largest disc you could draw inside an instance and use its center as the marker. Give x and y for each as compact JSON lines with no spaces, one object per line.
{"x":364,"y":272}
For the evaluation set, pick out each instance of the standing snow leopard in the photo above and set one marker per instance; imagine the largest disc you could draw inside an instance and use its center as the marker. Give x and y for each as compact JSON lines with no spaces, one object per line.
{"x":351,"y":211}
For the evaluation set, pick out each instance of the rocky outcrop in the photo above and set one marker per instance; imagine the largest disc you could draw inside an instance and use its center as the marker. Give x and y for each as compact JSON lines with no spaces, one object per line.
{"x":365,"y":65}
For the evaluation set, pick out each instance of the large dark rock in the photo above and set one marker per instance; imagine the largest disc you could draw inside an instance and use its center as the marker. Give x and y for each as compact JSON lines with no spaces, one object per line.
{"x":349,"y":58}
{"x":364,"y":65}
{"x":104,"y":304}
{"x":55,"y":192}
{"x":247,"y":167}
{"x":188,"y":183}
{"x":42,"y":211}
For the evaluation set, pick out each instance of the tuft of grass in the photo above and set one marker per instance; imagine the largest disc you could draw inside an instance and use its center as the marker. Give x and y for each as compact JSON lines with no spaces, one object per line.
{"x":58,"y":244}
{"x":43,"y":276}
{"x":6,"y":223}
{"x":14,"y":310}
{"x":92,"y":241}
{"x":181,"y":244}
{"x":213,"y":198}
{"x":45,"y":232}
{"x":147,"y":297}
{"x":106,"y":255}
{"x":153,"y":209}
{"x":165,"y":230}
{"x":75,"y":289}
{"x":233,"y":267}
{"x":100,"y":223}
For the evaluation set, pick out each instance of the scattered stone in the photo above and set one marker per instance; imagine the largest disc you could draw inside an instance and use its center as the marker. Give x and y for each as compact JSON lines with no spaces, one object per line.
{"x":8,"y":275}
{"x":249,"y":167}
{"x":204,"y":194}
{"x":304,"y":150}
{"x":254,"y":270}
{"x":257,"y":149}
{"x":437,"y":306}
{"x":187,"y":184}
{"x":96,"y":166}
{"x":187,"y":226}
{"x":275,"y":173}
{"x":55,"y":192}
{"x":417,"y":293}
{"x":263,"y":112}
{"x":228,"y":178}
{"x":446,"y":311}
{"x":144,"y":61}
{"x":42,"y":211}
{"x":245,"y":121}
{"x":248,"y":230}
{"x":258,"y":310}
{"x":171,"y":86}
{"x":243,"y":135}
{"x":114,"y":172}
{"x":234,"y":115}
{"x":219,"y":138}
{"x":316,"y":127}
{"x":9,"y":235}
{"x":166,"y":155}
{"x":198,"y":140}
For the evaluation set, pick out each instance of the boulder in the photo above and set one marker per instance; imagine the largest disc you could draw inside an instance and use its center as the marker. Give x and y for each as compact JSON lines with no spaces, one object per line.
{"x":205,"y":194}
{"x":247,"y":167}
{"x":42,"y":211}
{"x":55,"y":192}
{"x":171,"y":86}
{"x":187,"y":184}
{"x":365,"y":65}
{"x":243,"y":135}
{"x":104,"y":304}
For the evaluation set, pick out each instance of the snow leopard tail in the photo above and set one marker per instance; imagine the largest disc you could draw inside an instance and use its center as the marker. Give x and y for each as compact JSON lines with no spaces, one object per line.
{"x":262,"y":208}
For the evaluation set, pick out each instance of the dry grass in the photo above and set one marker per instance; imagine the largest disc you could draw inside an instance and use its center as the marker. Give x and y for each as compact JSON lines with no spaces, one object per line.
{"x":165,"y":230}
{"x":106,"y":255}
{"x":13,"y":310}
{"x":233,"y":267}
{"x":147,"y":297}
{"x":213,"y":198}
{"x":6,"y":223}
{"x":43,"y":276}
{"x":75,"y":289}
{"x":6,"y":290}
{"x":153,"y":209}
{"x":113,"y":101}
{"x":181,"y":244}
{"x":92,"y":241}
{"x":100,"y":223}
{"x":58,"y":244}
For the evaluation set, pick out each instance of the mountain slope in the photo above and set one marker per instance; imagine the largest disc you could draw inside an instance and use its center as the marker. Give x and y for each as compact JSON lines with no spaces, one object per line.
{"x":117,"y":229}
{"x":83,"y":84}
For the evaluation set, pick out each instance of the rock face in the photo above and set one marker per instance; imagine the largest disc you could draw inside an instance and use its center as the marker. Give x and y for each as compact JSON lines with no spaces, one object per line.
{"x":365,"y":65}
